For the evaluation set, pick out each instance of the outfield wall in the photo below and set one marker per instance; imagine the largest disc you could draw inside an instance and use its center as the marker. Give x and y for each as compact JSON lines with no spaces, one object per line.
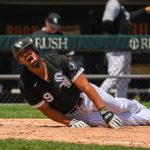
{"x":90,"y":53}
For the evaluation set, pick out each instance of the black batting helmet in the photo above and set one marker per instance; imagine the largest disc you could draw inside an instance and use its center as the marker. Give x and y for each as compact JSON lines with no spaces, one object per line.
{"x":55,"y":19}
{"x":20,"y":45}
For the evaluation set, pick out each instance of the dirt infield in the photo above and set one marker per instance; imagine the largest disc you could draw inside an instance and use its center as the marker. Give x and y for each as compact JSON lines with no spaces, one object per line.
{"x":45,"y":129}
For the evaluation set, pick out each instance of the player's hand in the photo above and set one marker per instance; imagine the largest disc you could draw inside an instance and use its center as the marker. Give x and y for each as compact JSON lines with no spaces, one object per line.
{"x":77,"y":124}
{"x":147,"y":9}
{"x":112,"y":120}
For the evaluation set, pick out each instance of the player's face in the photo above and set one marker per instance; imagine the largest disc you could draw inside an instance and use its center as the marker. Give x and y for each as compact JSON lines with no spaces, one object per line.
{"x":52,"y":29}
{"x":29,"y":58}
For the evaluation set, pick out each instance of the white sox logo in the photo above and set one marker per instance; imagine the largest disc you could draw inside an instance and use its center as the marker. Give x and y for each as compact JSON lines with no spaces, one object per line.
{"x":48,"y":97}
{"x":73,"y":66}
{"x":19,"y":44}
{"x":64,"y":81}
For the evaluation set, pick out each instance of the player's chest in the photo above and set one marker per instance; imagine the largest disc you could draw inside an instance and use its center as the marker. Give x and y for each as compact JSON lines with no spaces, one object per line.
{"x":58,"y":83}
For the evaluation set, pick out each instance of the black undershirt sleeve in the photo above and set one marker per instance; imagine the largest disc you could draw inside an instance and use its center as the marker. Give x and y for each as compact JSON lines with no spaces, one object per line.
{"x":107,"y":27}
{"x":136,"y":14}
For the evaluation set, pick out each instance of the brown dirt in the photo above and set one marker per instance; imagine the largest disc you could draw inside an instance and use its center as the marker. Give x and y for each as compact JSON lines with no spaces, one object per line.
{"x":45,"y":129}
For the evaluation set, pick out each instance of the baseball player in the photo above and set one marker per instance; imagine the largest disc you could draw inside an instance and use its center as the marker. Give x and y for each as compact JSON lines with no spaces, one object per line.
{"x":59,"y":89}
{"x":52,"y":26}
{"x":117,"y":21}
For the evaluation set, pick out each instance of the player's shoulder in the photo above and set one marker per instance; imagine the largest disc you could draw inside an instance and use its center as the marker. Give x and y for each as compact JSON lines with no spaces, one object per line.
{"x":54,"y":56}
{"x":113,"y":3}
{"x":40,"y":32}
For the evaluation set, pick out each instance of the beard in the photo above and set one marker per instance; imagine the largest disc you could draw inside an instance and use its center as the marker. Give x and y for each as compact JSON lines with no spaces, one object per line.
{"x":33,"y":63}
{"x":36,"y":64}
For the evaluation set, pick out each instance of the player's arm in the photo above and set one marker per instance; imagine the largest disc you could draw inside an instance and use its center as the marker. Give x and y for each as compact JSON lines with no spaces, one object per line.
{"x":82,"y":83}
{"x":140,"y":13}
{"x":147,"y":9}
{"x":60,"y":117}
{"x":34,"y":100}
{"x":53,"y":114}
{"x":75,"y":73}
{"x":112,"y":120}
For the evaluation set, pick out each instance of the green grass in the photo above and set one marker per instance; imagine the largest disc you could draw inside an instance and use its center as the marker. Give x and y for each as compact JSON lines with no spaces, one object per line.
{"x":12,"y":144}
{"x":19,"y":111}
{"x":26,"y":111}
{"x":147,"y":104}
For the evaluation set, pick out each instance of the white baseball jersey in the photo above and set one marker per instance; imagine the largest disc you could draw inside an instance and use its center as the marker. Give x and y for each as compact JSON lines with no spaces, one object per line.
{"x":112,"y":10}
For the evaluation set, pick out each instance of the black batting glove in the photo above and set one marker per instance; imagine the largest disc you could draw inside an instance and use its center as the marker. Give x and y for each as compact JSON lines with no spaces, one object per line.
{"x":112,"y":120}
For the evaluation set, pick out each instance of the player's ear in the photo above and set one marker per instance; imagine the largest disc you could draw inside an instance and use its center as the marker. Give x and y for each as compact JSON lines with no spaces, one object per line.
{"x":20,"y":61}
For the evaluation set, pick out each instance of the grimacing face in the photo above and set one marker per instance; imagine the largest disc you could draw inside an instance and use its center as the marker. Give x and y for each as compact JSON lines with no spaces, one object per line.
{"x":29,"y":57}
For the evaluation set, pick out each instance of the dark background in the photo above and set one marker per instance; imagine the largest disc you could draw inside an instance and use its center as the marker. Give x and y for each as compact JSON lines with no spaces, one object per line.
{"x":79,"y":17}
{"x":25,"y":19}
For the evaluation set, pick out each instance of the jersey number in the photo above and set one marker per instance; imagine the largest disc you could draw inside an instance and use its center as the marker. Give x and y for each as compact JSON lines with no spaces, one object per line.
{"x":48,"y":97}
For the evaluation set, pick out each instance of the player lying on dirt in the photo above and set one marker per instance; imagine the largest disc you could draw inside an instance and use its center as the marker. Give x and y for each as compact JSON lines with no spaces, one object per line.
{"x":60,"y":90}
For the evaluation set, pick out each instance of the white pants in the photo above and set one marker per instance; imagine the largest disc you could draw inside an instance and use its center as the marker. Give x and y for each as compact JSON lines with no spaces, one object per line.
{"x":131,"y":112}
{"x":119,"y":63}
